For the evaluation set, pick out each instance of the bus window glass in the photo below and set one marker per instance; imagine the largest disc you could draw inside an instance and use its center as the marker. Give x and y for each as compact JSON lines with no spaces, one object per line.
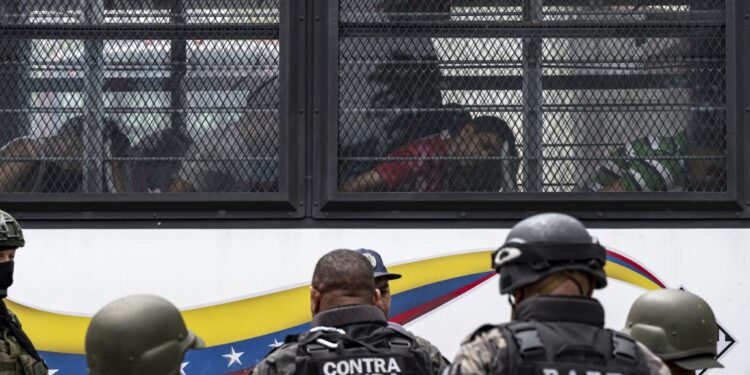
{"x":152,"y":113}
{"x":534,"y":96}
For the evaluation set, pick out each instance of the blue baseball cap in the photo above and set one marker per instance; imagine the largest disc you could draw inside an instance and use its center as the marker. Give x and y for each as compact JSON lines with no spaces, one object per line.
{"x":378,"y":266}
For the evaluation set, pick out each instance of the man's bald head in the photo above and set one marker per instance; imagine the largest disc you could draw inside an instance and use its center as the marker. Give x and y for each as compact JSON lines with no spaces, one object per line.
{"x":342,"y":277}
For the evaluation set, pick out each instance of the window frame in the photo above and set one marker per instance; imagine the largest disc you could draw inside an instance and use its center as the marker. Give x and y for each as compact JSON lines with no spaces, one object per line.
{"x":285,"y":203}
{"x":331,"y":204}
{"x":308,"y":149}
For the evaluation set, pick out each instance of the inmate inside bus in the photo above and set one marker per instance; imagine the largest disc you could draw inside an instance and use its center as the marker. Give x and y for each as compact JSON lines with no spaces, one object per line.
{"x":180,"y":100}
{"x":430,"y":96}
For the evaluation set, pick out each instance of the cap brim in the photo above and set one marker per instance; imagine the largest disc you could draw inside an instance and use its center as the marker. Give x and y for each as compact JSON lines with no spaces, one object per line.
{"x":387,"y":275}
{"x":698,"y":363}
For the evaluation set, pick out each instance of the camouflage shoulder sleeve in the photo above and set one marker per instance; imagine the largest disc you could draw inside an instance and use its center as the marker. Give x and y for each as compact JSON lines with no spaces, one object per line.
{"x":280,"y":361}
{"x":438,"y":362}
{"x":655,"y":365}
{"x":481,"y":353}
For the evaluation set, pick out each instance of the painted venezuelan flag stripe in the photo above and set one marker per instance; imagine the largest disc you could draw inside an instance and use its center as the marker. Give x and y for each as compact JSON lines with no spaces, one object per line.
{"x":253,"y":325}
{"x":251,"y":317}
{"x":625,"y":269}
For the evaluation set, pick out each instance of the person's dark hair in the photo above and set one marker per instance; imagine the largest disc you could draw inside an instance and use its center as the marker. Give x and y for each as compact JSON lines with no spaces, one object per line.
{"x":451,"y":117}
{"x":344,"y":271}
{"x":492,"y":124}
{"x":120,"y":142}
{"x":410,"y":81}
{"x":149,"y":173}
{"x":491,"y":175}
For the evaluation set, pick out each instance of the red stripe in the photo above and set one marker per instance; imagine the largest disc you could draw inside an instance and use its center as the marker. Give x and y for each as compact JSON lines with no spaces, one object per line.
{"x":637,"y":267}
{"x":409,"y":315}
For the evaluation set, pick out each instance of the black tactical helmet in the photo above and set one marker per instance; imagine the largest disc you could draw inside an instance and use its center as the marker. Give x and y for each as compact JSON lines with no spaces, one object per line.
{"x":139,"y":334}
{"x":11,"y":236}
{"x":544,"y":244}
{"x":678,"y":326}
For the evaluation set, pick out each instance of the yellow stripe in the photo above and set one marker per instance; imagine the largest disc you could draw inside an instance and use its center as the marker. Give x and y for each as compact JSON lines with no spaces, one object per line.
{"x":244,"y":319}
{"x":257,"y":316}
{"x":622,"y":273}
{"x":429,"y":271}
{"x":50,"y":331}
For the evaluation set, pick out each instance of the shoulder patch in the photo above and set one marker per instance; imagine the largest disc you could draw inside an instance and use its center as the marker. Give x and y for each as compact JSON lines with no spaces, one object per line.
{"x":401,"y":329}
{"x":480,"y":330}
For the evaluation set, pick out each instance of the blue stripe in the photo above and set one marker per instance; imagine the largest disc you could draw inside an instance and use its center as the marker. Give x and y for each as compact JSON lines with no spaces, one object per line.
{"x":412,"y":298}
{"x":210,"y":361}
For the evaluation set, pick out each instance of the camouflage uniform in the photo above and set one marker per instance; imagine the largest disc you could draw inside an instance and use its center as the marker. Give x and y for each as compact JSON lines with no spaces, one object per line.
{"x":282,"y":359}
{"x":557,"y":334}
{"x":485,"y":353}
{"x":17,"y":353}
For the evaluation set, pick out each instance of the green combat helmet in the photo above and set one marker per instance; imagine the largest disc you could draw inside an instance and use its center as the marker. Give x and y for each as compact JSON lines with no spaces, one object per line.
{"x":11,"y":236}
{"x":678,"y":326}
{"x":139,"y":334}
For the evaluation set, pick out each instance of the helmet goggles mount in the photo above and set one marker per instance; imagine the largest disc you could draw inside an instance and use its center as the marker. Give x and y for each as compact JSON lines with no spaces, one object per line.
{"x":540,"y":256}
{"x":521,"y":264}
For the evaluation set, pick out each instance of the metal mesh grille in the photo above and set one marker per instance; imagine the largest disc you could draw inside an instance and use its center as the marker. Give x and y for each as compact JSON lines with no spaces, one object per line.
{"x":139,"y":96}
{"x":553,"y":96}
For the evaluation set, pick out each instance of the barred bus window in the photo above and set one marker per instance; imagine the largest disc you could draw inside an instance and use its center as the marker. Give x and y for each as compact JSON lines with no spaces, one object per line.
{"x":533,"y":96}
{"x":123,"y":110}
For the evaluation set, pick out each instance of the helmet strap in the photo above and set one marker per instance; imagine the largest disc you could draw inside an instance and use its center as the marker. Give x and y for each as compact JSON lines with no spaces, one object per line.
{"x":513,"y":300}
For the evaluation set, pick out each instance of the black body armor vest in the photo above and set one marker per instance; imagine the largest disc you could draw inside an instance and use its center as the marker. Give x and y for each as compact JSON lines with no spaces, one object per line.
{"x":565,"y":336}
{"x":364,"y":349}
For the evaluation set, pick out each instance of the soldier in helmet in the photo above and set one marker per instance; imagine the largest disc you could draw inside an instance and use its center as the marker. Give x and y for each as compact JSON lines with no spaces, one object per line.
{"x":139,"y":334}
{"x":350,"y":334}
{"x":17,"y":353}
{"x":549,"y":266}
{"x":677,"y":326}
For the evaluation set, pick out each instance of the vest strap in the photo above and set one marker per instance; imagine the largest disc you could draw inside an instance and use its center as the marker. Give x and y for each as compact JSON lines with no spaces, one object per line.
{"x":567,"y":347}
{"x":624,"y":348}
{"x":527,"y":338}
{"x":399,"y":345}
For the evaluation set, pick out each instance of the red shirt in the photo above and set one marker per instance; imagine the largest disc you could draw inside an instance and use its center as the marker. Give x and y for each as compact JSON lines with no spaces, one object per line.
{"x":421,"y":170}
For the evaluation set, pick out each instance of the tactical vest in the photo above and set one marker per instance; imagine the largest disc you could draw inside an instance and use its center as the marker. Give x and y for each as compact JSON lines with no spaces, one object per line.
{"x":331,"y":351}
{"x":565,"y":336}
{"x":15,"y":358}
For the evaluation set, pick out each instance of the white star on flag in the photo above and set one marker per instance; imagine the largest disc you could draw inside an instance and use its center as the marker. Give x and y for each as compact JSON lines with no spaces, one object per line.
{"x":52,"y":372}
{"x":182,"y":368}
{"x":233,"y":357}
{"x":275,"y":343}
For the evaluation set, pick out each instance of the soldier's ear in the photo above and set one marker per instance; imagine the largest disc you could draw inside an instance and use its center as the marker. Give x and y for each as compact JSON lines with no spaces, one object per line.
{"x":314,"y":301}
{"x":377,"y":298}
